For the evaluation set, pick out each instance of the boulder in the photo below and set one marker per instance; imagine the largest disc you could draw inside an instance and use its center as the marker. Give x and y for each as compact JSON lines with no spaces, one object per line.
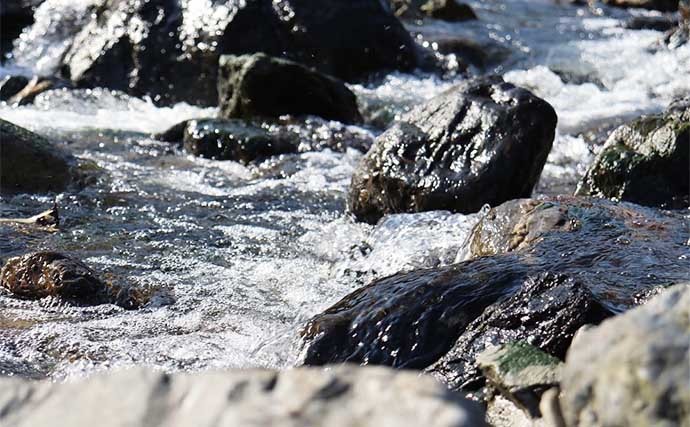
{"x":341,"y":396}
{"x":259,"y":85}
{"x":482,"y":142}
{"x":50,"y":274}
{"x":661,"y":5}
{"x":29,"y":163}
{"x":645,"y":162}
{"x":410,"y":320}
{"x":633,"y":369}
{"x":12,"y":85}
{"x":547,"y":310}
{"x":169,"y":49}
{"x":233,"y":140}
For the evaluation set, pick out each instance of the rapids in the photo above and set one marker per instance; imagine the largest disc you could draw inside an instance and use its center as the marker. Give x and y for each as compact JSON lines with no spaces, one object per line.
{"x":245,"y":255}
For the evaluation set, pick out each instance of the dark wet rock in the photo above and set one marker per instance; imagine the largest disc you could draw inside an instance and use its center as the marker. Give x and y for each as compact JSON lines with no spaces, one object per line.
{"x":169,"y":49}
{"x":521,"y":373}
{"x":633,"y":369}
{"x":234,"y":140}
{"x":447,"y":10}
{"x":547,"y":310}
{"x":661,"y":5}
{"x":480,"y":53}
{"x":50,"y":274}
{"x":679,"y":36}
{"x":482,"y":142}
{"x":656,"y":23}
{"x":259,"y":85}
{"x":49,"y":219}
{"x":610,"y":250}
{"x":246,"y":141}
{"x":343,"y":396}
{"x":645,"y":162}
{"x":15,"y":15}
{"x":30,"y":163}
{"x":12,"y":85}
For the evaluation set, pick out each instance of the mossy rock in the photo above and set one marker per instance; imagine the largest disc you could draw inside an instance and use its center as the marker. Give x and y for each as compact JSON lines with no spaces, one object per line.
{"x":645,"y":162}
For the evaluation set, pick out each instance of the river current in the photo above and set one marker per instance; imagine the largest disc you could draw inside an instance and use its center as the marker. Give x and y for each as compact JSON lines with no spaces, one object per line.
{"x":241,"y":255}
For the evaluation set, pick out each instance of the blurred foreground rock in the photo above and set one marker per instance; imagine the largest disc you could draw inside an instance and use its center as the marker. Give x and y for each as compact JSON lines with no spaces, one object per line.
{"x":340,"y":396}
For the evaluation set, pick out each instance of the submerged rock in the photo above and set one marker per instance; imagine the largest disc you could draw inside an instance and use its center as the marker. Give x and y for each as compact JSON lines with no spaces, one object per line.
{"x":51,"y":274}
{"x":341,"y":396}
{"x":483,"y":141}
{"x":29,"y":163}
{"x":655,"y":23}
{"x":264,"y":86}
{"x":612,"y":252}
{"x":169,"y":49}
{"x":645,"y":161}
{"x":547,"y":310}
{"x":661,"y":5}
{"x":233,"y":140}
{"x":633,"y":369}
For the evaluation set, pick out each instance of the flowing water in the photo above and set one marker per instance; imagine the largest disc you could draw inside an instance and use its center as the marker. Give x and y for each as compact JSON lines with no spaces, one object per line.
{"x":242,"y":256}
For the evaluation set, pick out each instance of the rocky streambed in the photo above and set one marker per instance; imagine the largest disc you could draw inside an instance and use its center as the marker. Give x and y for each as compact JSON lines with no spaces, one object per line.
{"x":356,"y":213}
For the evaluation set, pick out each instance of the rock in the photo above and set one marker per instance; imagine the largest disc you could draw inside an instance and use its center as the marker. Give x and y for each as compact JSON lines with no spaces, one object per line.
{"x":50,"y":274}
{"x":480,"y":53}
{"x":264,"y":86}
{"x":547,"y":311}
{"x":482,"y":142}
{"x":521,"y":372}
{"x":15,"y":15}
{"x":661,"y":5}
{"x":340,"y":396}
{"x":12,"y":85}
{"x":29,"y":163}
{"x":169,"y":49}
{"x":233,"y":140}
{"x":633,"y":369}
{"x":410,"y":320}
{"x":448,"y":10}
{"x":656,"y":23}
{"x":645,"y":162}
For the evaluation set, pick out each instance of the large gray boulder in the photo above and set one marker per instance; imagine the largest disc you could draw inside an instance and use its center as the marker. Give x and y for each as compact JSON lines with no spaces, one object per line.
{"x":483,"y":141}
{"x":633,"y":369}
{"x":169,"y":49}
{"x":259,"y":85}
{"x":338,"y":397}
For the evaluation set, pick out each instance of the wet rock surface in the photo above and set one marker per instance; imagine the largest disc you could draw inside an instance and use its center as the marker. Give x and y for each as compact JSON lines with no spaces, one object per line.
{"x":547,"y":311}
{"x":234,"y":140}
{"x":262,"y":86}
{"x":248,"y":141}
{"x":661,"y":5}
{"x":341,"y":396}
{"x":411,"y":320}
{"x":446,"y":10}
{"x":29,"y":163}
{"x":646,"y":161}
{"x":632,"y":369}
{"x":51,"y":274}
{"x":484,"y":141}
{"x":169,"y":49}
